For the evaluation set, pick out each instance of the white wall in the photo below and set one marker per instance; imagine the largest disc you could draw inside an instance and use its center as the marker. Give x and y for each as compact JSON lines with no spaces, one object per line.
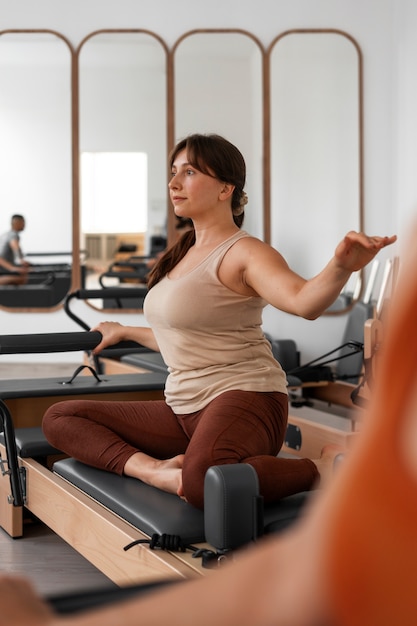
{"x":385,"y":30}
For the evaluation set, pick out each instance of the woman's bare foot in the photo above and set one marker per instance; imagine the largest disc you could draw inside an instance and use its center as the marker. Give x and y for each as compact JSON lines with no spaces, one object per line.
{"x":326,"y":464}
{"x":165,"y":474}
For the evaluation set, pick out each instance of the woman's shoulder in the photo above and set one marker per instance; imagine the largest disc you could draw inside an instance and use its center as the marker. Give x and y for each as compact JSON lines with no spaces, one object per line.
{"x":245,"y":251}
{"x":249,"y":242}
{"x":244,"y":236}
{"x":251,"y":252}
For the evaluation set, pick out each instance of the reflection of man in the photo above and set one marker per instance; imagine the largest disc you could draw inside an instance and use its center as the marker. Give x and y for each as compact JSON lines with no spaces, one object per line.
{"x":13,"y":269}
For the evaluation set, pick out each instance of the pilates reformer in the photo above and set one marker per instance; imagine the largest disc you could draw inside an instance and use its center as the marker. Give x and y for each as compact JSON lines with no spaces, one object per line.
{"x":134,"y":270}
{"x":47,"y":283}
{"x":45,"y":288}
{"x":101,"y":514}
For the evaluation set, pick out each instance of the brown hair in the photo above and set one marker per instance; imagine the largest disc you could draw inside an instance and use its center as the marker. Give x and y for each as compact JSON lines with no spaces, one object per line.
{"x":215,"y":156}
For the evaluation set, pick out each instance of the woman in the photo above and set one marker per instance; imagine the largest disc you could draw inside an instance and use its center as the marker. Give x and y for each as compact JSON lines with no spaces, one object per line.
{"x":225,"y":396}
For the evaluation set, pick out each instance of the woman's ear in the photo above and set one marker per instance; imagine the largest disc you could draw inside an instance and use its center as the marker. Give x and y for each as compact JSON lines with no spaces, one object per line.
{"x":226,"y":191}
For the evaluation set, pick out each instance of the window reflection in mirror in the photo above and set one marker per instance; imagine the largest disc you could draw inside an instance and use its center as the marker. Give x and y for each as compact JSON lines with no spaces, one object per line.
{"x":123,"y":111}
{"x":112,"y":179}
{"x":35,"y":161}
{"x":316,"y":161}
{"x":218,"y":89}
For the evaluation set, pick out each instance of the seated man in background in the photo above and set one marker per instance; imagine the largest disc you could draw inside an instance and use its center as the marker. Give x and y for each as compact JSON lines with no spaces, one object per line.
{"x":13,"y":268}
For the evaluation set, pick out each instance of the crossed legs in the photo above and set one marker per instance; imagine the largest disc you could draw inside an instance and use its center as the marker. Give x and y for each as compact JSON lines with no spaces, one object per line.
{"x":148,"y":441}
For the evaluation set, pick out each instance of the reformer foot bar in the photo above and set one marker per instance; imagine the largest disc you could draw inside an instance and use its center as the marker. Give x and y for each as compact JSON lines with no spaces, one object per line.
{"x":99,"y":514}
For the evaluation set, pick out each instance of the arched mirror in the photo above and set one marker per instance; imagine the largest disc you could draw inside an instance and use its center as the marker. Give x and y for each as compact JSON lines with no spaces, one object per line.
{"x":316,"y":146}
{"x":36,"y":164}
{"x":123,"y":153}
{"x":218,"y":89}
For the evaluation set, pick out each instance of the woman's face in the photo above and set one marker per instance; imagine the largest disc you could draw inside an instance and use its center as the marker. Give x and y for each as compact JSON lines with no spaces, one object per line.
{"x":192,"y":193}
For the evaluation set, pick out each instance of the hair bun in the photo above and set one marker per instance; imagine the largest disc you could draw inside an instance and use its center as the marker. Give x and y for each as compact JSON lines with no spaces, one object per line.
{"x":242,"y":202}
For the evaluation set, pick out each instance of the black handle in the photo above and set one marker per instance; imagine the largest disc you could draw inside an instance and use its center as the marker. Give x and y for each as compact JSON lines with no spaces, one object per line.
{"x":49,"y":342}
{"x":57,"y":342}
{"x":109,"y":292}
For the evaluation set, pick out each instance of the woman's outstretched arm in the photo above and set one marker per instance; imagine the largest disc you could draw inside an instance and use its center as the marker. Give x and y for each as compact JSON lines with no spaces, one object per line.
{"x":265,"y":271}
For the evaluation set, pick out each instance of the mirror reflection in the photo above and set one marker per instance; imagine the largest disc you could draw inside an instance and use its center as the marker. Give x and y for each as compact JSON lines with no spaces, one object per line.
{"x":35,"y":161}
{"x":123,"y":148}
{"x":218,"y":89}
{"x":316,"y":160}
{"x":300,"y":134}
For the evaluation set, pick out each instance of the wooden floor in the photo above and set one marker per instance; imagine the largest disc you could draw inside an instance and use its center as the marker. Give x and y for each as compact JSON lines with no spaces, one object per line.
{"x":52,"y":565}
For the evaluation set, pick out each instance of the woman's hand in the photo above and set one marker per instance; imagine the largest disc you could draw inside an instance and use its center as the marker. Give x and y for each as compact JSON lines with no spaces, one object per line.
{"x":357,"y":250}
{"x":112,"y":333}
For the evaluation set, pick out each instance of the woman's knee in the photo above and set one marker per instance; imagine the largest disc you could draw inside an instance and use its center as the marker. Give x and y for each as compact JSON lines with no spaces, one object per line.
{"x":52,"y":419}
{"x":193,"y":476}
{"x":193,"y":483}
{"x":196,"y":463}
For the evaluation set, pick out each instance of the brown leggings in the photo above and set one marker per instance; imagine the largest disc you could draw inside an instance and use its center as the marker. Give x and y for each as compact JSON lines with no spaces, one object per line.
{"x":236,"y":427}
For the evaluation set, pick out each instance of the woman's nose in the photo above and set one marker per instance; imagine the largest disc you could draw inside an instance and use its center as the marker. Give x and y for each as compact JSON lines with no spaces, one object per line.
{"x":174,"y":182}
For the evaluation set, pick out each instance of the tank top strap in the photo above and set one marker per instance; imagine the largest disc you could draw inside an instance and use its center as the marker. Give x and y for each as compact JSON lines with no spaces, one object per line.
{"x":217,"y":255}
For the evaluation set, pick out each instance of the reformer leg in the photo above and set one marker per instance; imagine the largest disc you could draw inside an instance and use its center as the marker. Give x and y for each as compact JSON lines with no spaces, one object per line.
{"x":12,"y":482}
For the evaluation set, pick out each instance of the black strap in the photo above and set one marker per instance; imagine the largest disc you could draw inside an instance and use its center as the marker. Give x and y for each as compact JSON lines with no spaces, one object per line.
{"x":174,"y":543}
{"x":312,"y":370}
{"x":79,"y":369}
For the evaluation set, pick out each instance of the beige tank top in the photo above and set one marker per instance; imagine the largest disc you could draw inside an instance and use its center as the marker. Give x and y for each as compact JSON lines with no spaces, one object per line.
{"x":210,"y":337}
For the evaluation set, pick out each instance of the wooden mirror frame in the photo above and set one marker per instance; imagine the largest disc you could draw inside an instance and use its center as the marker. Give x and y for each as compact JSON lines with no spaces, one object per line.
{"x":168,"y":121}
{"x":74,"y":161}
{"x":261,"y":50}
{"x":267,"y":135}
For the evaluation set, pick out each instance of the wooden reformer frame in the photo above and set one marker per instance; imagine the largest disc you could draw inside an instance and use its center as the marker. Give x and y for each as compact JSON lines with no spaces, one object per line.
{"x":92,"y":530}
